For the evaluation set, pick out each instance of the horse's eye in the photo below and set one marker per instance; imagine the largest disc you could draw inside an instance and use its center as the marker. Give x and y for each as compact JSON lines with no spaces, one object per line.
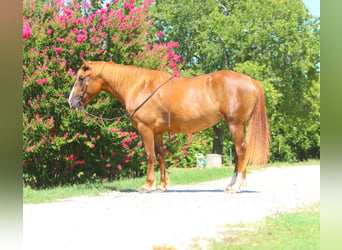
{"x":81,"y":78}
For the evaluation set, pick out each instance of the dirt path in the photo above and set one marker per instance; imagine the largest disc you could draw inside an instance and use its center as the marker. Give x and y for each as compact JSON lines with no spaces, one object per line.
{"x":140,"y":221}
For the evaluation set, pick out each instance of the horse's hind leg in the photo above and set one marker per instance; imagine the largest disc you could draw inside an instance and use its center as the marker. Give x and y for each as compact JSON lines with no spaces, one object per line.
{"x":159,"y":149}
{"x":239,"y":179}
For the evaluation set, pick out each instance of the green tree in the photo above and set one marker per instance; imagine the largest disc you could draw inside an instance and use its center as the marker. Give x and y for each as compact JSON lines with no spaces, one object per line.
{"x":276,"y":42}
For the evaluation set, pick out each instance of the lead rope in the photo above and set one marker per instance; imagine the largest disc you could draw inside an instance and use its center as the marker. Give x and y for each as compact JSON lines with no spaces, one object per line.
{"x":169,"y":108}
{"x":137,"y":108}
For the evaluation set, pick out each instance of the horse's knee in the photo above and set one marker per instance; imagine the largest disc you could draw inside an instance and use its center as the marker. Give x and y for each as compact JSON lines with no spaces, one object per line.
{"x":150,"y":157}
{"x":241,"y":149}
{"x":159,"y":157}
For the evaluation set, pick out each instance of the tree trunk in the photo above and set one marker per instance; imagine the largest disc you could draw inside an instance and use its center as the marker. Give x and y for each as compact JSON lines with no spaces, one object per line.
{"x":218,"y":140}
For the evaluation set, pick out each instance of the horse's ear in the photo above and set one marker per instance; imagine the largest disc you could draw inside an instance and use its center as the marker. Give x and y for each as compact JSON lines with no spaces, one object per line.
{"x":86,"y":67}
{"x":85,"y":63}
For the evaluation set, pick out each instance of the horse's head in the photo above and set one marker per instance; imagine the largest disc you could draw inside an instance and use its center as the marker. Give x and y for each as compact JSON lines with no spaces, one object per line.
{"x":85,"y":88}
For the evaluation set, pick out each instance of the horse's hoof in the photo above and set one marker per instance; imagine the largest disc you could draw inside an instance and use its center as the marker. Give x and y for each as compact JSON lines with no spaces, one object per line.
{"x":160,"y":189}
{"x":144,"y":190}
{"x":231,"y":190}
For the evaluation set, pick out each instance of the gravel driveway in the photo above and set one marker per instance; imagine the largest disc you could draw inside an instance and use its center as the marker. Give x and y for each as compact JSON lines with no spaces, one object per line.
{"x":129,"y":220}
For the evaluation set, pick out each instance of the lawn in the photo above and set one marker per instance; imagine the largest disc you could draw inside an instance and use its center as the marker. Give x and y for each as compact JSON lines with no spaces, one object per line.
{"x":295,"y":230}
{"x":177,"y":176}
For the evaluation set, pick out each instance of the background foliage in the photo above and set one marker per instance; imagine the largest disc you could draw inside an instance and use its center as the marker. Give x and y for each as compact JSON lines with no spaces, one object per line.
{"x":276,"y":42}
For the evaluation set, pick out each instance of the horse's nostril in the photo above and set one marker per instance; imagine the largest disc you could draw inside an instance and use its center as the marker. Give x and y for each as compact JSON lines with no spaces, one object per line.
{"x":75,"y":102}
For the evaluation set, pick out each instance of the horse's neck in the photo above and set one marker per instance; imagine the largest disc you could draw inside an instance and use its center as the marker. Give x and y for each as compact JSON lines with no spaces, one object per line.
{"x":122,"y":80}
{"x":118,"y":81}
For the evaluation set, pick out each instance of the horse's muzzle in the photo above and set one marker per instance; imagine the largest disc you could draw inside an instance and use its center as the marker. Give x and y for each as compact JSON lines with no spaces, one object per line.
{"x":75,"y":103}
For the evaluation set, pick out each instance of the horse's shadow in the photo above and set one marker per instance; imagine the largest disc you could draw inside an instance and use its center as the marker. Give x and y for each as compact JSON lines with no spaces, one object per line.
{"x":206,"y":191}
{"x":190,"y":191}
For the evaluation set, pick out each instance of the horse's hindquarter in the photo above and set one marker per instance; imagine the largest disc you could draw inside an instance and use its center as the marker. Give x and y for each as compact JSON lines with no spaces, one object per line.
{"x":237,"y":94}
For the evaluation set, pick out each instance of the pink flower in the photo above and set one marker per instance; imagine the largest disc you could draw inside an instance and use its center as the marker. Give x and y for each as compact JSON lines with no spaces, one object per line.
{"x":92,"y":146}
{"x":60,"y":39}
{"x":160,"y":33}
{"x":105,"y":179}
{"x":81,"y":38}
{"x":119,"y":167}
{"x":59,"y":49}
{"x":128,"y":6}
{"x":177,"y":74}
{"x":171,"y":44}
{"x":71,"y":51}
{"x":27,"y":31}
{"x":131,"y":1}
{"x":49,"y":31}
{"x":108,"y":165}
{"x":170,"y":54}
{"x":103,"y":20}
{"x":68,"y":12}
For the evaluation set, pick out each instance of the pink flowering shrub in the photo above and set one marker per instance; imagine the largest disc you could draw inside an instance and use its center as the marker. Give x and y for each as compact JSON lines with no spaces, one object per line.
{"x":62,"y":146}
{"x":26,"y":31}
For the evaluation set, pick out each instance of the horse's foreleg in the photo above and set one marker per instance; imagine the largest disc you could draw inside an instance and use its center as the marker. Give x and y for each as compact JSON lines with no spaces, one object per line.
{"x":239,"y":177}
{"x":148,"y":139}
{"x":159,"y":149}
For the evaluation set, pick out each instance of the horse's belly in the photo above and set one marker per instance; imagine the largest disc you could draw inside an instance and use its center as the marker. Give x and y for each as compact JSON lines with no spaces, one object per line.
{"x":193,"y":123}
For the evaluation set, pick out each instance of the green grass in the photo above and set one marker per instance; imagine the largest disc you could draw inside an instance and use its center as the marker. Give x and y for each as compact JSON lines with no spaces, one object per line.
{"x":177,"y":176}
{"x":297,"y":230}
{"x":287,"y":164}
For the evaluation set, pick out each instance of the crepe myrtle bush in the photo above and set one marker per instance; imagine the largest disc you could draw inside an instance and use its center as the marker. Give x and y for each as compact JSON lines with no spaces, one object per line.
{"x":63,"y":146}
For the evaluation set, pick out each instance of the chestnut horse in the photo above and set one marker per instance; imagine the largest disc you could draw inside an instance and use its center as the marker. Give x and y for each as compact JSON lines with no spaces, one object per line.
{"x":182,"y":105}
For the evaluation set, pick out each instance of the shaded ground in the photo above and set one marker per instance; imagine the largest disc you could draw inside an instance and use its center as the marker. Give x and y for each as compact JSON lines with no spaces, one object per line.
{"x":129,"y":220}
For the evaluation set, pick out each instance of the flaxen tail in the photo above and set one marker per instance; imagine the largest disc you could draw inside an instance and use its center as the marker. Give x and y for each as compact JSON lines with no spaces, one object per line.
{"x":258,"y":133}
